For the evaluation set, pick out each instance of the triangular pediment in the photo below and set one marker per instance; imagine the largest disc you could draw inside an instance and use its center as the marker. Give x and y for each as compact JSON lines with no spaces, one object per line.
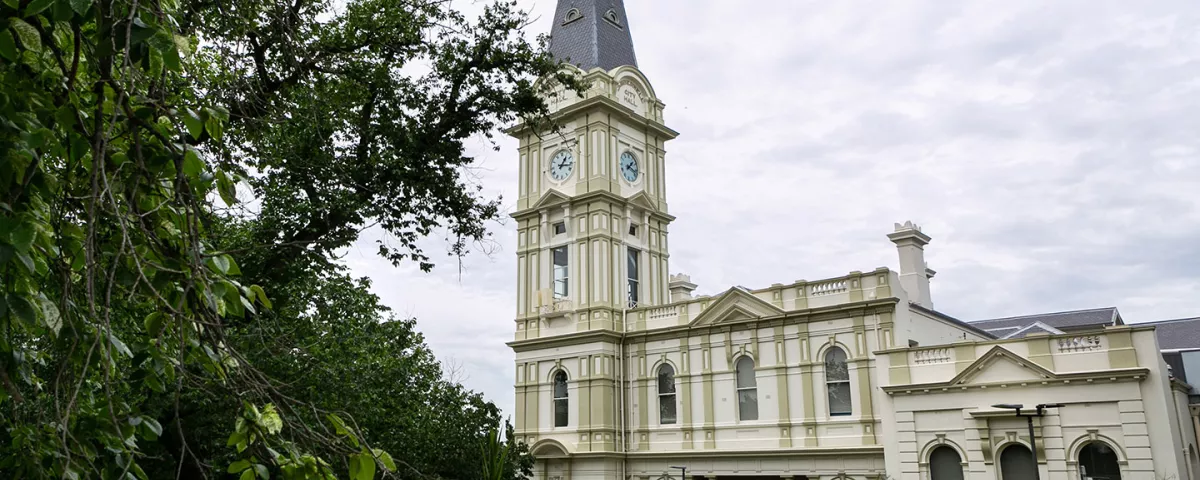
{"x":1000,"y":365}
{"x":736,"y":305}
{"x":641,"y":199}
{"x":550,"y":198}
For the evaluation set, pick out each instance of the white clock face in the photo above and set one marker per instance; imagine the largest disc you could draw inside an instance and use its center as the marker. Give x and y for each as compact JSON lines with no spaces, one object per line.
{"x":629,"y":167}
{"x":561,"y":165}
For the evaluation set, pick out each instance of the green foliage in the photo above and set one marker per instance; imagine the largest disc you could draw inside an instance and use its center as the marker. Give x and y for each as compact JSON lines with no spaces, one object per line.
{"x":145,"y":309}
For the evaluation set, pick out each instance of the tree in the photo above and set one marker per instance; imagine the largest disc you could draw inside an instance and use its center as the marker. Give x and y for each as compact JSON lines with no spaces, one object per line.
{"x":125,"y":125}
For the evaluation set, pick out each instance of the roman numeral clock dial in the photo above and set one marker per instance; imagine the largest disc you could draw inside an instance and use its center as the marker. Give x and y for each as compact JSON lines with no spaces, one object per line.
{"x":561,"y":165}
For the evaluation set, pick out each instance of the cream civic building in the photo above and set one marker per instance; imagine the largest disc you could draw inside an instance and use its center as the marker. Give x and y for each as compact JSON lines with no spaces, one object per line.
{"x":622,"y":372}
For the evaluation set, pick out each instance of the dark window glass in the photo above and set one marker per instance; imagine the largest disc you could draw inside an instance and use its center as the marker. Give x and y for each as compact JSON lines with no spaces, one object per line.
{"x":837,"y":382}
{"x":560,"y":271}
{"x":747,"y":389}
{"x":945,"y":464}
{"x":560,"y":399}
{"x":1098,"y":461}
{"x":1016,"y":463}
{"x":666,"y":395}
{"x":632,"y":268}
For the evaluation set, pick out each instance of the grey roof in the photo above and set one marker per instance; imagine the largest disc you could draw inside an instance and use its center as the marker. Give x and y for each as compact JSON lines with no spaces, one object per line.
{"x":1097,"y":317}
{"x":1183,"y":333}
{"x":592,"y":33}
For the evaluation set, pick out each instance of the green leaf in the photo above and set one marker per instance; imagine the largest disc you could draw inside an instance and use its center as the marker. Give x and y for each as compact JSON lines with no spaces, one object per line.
{"x":194,"y":123}
{"x":27,"y":261}
{"x":22,"y":308}
{"x":238,"y":466}
{"x":214,"y":127}
{"x":119,"y":345}
{"x":22,"y":237}
{"x":138,"y":472}
{"x":28,"y":35}
{"x":270,"y":420}
{"x":154,"y":323}
{"x":247,"y":475}
{"x":236,"y":438}
{"x":50,"y":315}
{"x":221,"y":263}
{"x":232,"y":268}
{"x":81,"y":6}
{"x":339,"y":426}
{"x":226,"y":188}
{"x":362,"y":467}
{"x":8,"y":46}
{"x":261,"y":295}
{"x":262,"y":471}
{"x":192,"y":165}
{"x":3,"y":307}
{"x":153,"y":426}
{"x":37,"y":6}
{"x":385,"y":458}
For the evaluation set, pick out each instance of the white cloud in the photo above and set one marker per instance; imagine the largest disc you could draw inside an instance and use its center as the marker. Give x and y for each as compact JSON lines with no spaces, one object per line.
{"x":1050,"y":148}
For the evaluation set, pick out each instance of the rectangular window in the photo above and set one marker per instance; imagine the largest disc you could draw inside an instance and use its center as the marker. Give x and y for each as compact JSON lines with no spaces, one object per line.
{"x":839,"y":398}
{"x":633,"y":229}
{"x":632,"y":268}
{"x":560,"y":228}
{"x":560,"y":271}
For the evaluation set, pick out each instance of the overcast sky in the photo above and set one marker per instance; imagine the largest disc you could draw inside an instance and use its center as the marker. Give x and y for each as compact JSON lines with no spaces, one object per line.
{"x":1049,"y":148}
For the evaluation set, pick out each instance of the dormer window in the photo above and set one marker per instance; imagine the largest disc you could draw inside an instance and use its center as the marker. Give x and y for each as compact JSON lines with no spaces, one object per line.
{"x":572,"y":15}
{"x":611,"y":16}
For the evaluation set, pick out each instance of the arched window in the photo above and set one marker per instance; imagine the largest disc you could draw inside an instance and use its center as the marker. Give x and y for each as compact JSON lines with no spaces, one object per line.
{"x":560,"y":399}
{"x":572,"y":15}
{"x":666,"y":395}
{"x":945,"y":464}
{"x":837,"y":382}
{"x":1098,"y":461}
{"x":747,"y":389}
{"x":611,"y":16}
{"x":1016,"y":463}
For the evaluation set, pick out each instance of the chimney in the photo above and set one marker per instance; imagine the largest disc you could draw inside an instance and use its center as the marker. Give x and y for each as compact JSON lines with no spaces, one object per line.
{"x":914,"y":273}
{"x":681,"y":287}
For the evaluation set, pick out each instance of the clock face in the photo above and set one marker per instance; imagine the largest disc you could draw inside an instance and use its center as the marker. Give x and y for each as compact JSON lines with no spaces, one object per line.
{"x":561,"y":165}
{"x":629,"y":167}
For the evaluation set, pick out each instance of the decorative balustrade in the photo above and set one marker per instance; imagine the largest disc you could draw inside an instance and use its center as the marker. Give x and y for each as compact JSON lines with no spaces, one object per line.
{"x":556,"y":306}
{"x":932,"y":356}
{"x":663,"y":313}
{"x":1082,"y":343}
{"x":827,"y":288}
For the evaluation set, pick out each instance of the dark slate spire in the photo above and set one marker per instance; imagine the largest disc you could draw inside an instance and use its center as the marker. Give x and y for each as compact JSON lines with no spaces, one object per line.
{"x":592,"y":33}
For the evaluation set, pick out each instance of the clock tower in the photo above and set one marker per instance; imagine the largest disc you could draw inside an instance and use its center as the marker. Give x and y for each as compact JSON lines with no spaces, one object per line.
{"x":592,"y":224}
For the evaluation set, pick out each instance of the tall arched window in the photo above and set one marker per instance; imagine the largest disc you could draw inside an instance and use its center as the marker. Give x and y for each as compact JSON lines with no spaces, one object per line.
{"x":747,"y":389}
{"x":560,"y":399}
{"x":666,"y":395}
{"x":945,"y":464}
{"x":1098,"y":461}
{"x":837,"y":382}
{"x":1016,"y":463}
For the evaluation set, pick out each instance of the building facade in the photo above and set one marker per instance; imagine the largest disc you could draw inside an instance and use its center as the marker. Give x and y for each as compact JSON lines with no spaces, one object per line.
{"x":623,"y":373}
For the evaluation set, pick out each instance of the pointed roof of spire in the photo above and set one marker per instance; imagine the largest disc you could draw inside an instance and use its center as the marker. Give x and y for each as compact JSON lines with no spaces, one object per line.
{"x":592,"y":33}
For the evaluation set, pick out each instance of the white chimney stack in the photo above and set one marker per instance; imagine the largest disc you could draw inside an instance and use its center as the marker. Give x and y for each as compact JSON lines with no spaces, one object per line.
{"x":681,"y":287}
{"x":914,"y":273}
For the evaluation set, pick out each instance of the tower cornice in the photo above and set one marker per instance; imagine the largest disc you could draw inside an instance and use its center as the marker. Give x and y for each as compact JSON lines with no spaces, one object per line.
{"x":600,"y":104}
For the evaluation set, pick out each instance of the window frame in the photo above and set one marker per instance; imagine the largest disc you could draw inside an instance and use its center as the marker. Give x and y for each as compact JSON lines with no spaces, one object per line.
{"x":667,"y":398}
{"x":565,"y":269}
{"x":739,"y":388}
{"x":831,"y":384}
{"x":565,"y":398}
{"x":559,"y":228}
{"x":633,"y":261}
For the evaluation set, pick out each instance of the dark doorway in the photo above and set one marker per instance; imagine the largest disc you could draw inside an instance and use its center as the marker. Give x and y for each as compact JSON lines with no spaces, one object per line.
{"x":1098,"y":461}
{"x":945,"y":464}
{"x":1016,"y":463}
